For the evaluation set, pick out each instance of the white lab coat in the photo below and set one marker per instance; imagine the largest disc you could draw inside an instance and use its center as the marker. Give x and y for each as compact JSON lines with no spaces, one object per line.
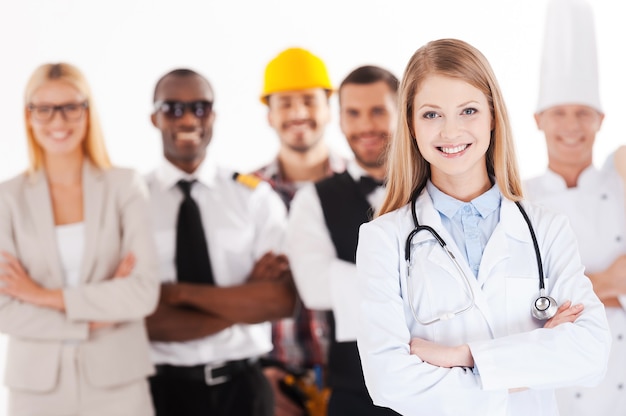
{"x":509,"y":347}
{"x":595,"y":209}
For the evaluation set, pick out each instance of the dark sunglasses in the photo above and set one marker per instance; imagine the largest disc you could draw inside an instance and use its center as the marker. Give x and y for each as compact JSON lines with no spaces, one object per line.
{"x":176,"y":109}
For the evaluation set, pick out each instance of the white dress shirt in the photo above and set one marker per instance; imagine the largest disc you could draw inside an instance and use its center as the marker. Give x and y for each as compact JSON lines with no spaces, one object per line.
{"x":241,"y":224}
{"x":71,"y":245}
{"x":595,"y":208}
{"x":324,"y":281}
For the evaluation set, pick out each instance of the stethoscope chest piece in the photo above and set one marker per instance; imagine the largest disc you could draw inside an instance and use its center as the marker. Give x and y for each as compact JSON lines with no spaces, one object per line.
{"x":544,"y":307}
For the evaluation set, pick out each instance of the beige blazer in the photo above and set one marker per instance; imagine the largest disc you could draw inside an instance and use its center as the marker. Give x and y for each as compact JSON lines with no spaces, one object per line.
{"x":116,"y":222}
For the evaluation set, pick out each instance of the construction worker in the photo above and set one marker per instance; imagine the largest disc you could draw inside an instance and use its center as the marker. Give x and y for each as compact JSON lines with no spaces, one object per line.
{"x":296,"y":91}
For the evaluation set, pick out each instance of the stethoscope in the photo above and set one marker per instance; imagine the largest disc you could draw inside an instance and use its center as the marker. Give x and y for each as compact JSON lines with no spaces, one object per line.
{"x":542,"y":308}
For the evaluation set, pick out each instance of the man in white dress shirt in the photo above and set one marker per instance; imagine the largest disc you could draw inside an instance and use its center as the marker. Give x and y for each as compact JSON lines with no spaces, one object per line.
{"x":570,"y":115}
{"x":211,"y":327}
{"x":323,"y":229}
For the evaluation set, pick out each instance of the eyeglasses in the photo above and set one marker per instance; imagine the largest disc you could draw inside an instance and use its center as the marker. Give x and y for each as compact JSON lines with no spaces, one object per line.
{"x":69,"y":112}
{"x":176,"y":109}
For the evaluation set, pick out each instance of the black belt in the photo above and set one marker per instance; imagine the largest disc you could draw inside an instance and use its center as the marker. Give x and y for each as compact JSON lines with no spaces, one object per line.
{"x":211,"y":374}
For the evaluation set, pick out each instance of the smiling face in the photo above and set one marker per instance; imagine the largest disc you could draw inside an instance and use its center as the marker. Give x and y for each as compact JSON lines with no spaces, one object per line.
{"x":63,"y":133}
{"x":368,"y":115}
{"x":452,"y":124}
{"x":570,"y":132}
{"x":185,"y":137}
{"x":299,"y":117}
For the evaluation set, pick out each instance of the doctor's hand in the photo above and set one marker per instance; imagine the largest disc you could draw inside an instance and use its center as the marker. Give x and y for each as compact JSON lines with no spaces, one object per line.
{"x":565,"y":313}
{"x":441,"y":355}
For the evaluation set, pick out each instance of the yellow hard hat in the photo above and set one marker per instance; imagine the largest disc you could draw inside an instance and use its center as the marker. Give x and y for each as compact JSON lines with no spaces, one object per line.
{"x":295,"y":69}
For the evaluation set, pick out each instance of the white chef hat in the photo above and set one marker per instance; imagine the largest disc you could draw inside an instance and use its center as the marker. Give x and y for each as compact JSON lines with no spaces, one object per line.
{"x":569,"y":64}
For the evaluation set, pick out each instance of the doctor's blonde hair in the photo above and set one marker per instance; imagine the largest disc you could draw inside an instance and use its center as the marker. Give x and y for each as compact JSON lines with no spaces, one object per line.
{"x":408,"y":171}
{"x":93,"y":145}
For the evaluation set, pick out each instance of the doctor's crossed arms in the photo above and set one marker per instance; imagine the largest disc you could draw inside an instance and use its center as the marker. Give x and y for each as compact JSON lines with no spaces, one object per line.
{"x":461,"y":356}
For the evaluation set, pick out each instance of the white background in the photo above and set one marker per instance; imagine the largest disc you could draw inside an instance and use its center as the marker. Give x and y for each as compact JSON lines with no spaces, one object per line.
{"x":124,"y":46}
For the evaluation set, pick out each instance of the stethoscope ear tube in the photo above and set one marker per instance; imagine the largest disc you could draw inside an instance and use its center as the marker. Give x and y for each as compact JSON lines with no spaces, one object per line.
{"x":544,"y":307}
{"x":407,"y":245}
{"x":542,"y":286}
{"x":407,"y":256}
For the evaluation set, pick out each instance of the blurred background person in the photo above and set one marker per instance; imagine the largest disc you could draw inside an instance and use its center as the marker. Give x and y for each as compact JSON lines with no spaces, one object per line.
{"x":570,"y":115}
{"x":324,"y":226}
{"x":296,"y":91}
{"x":78,"y":269}
{"x":218,"y":235}
{"x":617,"y":161}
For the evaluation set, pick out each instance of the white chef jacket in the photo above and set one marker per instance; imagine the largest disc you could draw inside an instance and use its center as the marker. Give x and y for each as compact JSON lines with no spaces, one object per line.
{"x":241,"y":224}
{"x":595,"y":208}
{"x":324,"y":281}
{"x":510,"y":348}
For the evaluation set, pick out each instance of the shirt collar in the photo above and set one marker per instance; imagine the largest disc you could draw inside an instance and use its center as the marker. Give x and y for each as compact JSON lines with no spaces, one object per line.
{"x":485,"y":204}
{"x":271,"y":170}
{"x":590,"y":177}
{"x":355,"y":170}
{"x":168,"y":175}
{"x":336,"y":162}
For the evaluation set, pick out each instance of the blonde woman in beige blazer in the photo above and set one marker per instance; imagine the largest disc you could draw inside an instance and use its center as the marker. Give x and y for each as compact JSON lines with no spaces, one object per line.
{"x":78,"y":269}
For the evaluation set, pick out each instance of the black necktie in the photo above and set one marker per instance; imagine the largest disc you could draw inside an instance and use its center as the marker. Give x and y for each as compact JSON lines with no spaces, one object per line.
{"x":367,"y":184}
{"x":192,"y":254}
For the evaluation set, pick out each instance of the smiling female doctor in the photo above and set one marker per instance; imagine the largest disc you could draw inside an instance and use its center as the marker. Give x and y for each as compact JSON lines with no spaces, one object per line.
{"x":458,"y":277}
